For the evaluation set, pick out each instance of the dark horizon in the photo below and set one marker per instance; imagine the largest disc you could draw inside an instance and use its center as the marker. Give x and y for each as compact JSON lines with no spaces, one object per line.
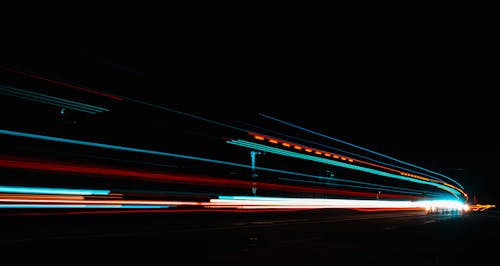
{"x":440,"y":117}
{"x":250,"y":150}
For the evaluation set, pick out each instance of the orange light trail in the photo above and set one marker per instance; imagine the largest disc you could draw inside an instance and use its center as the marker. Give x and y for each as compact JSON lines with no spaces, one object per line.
{"x":181,"y":178}
{"x":345,"y":158}
{"x":111,"y":202}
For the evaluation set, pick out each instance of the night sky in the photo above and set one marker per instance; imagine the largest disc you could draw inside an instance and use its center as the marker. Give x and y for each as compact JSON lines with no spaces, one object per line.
{"x":427,"y":101}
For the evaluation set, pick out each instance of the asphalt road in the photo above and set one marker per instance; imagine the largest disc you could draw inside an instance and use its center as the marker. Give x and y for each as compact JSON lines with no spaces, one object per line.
{"x":311,"y":237}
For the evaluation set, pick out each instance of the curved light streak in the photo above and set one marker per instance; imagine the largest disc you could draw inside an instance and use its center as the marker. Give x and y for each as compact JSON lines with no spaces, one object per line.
{"x":370,"y":186}
{"x":183,"y":179}
{"x":266,"y":148}
{"x":359,"y":147}
{"x":350,"y":154}
{"x":323,"y":154}
{"x":43,"y":98}
{"x":60,"y":83}
{"x":116,"y":147}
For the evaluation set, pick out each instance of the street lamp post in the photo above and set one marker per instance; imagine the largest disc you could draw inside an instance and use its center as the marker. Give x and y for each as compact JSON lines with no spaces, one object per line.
{"x":253,"y":154}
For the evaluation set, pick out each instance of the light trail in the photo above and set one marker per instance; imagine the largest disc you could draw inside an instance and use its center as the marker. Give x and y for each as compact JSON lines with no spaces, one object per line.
{"x":10,"y":163}
{"x":186,"y":114}
{"x":341,"y":157}
{"x":183,"y":178}
{"x":251,"y":202}
{"x":60,"y":83}
{"x":46,"y":190}
{"x":359,"y":147}
{"x":482,"y":207}
{"x":66,"y":200}
{"x":243,"y":202}
{"x":375,"y":163}
{"x":104,"y":202}
{"x":43,"y":98}
{"x":41,"y":196}
{"x":152,"y":209}
{"x":269,"y":149}
{"x":336,"y":156}
{"x":452,"y":190}
{"x":77,"y":206}
{"x":368,"y":186}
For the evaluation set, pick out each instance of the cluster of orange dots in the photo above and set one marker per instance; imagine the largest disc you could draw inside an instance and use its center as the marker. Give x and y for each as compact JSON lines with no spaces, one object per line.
{"x":306,"y":149}
{"x":319,"y":152}
{"x":414,"y":176}
{"x":410,"y":175}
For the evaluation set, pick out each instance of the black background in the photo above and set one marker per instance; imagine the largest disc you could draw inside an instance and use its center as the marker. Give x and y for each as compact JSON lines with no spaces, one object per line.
{"x":422,"y":94}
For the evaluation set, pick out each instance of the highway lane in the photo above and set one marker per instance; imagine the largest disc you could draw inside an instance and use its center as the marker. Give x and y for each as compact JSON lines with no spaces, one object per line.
{"x":306,"y":236}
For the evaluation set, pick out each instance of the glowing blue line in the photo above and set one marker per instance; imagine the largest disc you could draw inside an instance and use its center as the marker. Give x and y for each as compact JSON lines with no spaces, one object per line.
{"x":55,"y":104}
{"x":185,"y":114}
{"x":244,"y":130}
{"x":170,"y":192}
{"x":115,"y":147}
{"x":327,"y":161}
{"x":451,"y":203}
{"x":236,"y":128}
{"x":42,"y":190}
{"x":144,"y":206}
{"x":367,"y":185}
{"x":79,"y":206}
{"x":362,"y":187}
{"x":44,"y":96}
{"x":359,"y":147}
{"x":354,"y":154}
{"x":354,"y":186}
{"x":51,"y":99}
{"x":38,"y":206}
{"x":259,"y":198}
{"x":100,"y":145}
{"x":332,"y":162}
{"x":95,"y":144}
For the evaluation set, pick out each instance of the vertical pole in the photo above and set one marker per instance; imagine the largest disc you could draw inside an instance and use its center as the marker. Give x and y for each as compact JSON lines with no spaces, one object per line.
{"x":254,"y":174}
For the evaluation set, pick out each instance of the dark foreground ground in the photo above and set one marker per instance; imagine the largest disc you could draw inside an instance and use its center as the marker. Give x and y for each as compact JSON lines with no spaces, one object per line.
{"x":326,"y":237}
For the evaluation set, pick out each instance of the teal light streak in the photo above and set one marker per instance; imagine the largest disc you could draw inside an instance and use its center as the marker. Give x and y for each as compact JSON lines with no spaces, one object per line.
{"x":45,"y":190}
{"x":366,"y":185}
{"x":114,"y":147}
{"x":144,"y":206}
{"x":404,"y":191}
{"x":44,"y":96}
{"x":78,"y":206}
{"x":185,"y":114}
{"x":265,"y":148}
{"x":100,"y":145}
{"x":55,"y":104}
{"x":257,"y":198}
{"x":236,"y":128}
{"x":359,"y":147}
{"x":29,"y":95}
{"x":245,"y":130}
{"x":353,"y":154}
{"x":224,"y":125}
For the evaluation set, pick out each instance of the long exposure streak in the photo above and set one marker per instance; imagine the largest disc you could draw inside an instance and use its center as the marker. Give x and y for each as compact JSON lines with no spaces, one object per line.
{"x":45,"y":190}
{"x":182,"y":178}
{"x":336,"y":163}
{"x":60,"y":83}
{"x":9,"y":163}
{"x":359,"y":147}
